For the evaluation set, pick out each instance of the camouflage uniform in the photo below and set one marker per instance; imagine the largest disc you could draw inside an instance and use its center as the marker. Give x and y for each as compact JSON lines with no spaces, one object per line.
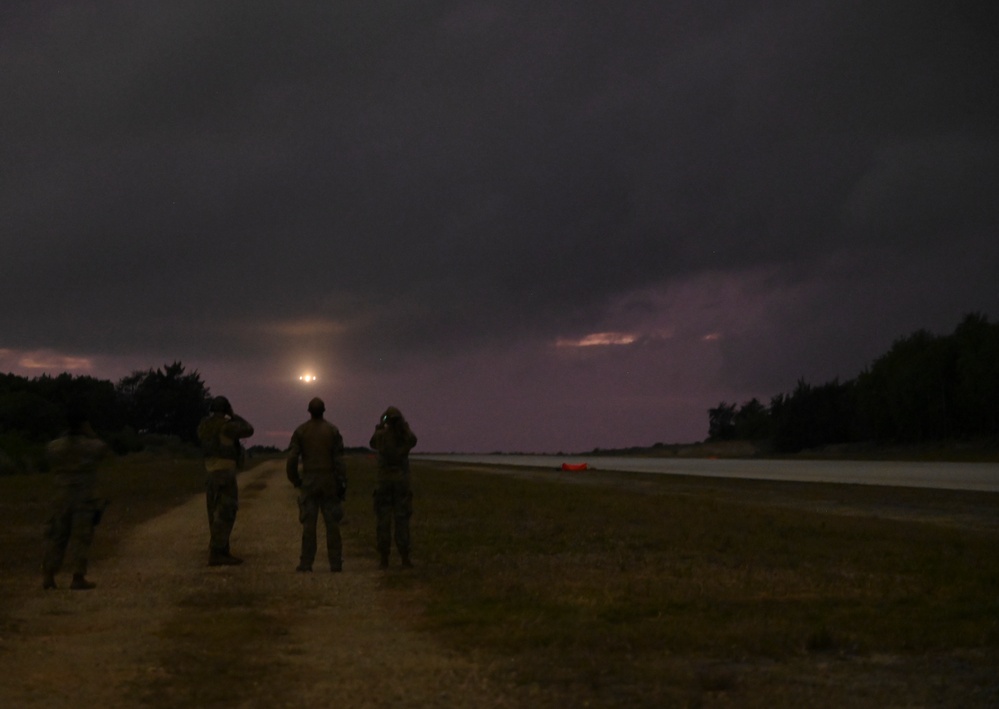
{"x":74,"y":459}
{"x":393,"y":440}
{"x":322,"y":484}
{"x":219,"y":434}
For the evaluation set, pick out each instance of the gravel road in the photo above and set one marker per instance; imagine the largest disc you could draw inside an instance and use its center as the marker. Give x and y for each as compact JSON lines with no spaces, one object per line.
{"x":143,"y":637}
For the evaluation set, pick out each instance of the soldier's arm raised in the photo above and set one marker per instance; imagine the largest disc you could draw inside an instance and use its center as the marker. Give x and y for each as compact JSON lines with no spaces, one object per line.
{"x":238,"y":427}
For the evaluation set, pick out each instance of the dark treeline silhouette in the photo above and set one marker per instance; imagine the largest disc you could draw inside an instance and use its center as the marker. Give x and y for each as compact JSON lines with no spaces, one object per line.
{"x":925,"y":388}
{"x":165,"y":401}
{"x":160,"y":402}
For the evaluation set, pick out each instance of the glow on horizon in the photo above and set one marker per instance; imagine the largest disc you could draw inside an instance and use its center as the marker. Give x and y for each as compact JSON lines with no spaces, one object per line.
{"x":44,"y":360}
{"x":600,"y":339}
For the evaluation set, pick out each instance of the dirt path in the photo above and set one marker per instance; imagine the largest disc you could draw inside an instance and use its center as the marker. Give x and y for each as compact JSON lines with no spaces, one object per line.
{"x":163,"y":629}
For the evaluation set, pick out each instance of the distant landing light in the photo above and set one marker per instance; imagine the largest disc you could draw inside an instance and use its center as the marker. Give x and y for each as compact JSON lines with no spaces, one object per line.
{"x":307,"y":378}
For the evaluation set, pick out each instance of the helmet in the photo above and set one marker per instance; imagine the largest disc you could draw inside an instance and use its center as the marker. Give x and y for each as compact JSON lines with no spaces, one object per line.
{"x":391,"y":413}
{"x":316,"y":406}
{"x":221,"y":404}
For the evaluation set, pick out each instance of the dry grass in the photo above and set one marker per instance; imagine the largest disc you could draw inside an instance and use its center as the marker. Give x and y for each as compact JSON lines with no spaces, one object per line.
{"x":139,"y":486}
{"x":628,"y":590}
{"x":651,"y":592}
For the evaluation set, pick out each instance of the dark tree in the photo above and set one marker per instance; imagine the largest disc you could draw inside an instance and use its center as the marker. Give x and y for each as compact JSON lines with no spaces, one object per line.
{"x":36,"y":408}
{"x":907,"y":394}
{"x":28,"y":414}
{"x":976,"y":369}
{"x":165,"y":401}
{"x":812,"y":416}
{"x":753,"y":422}
{"x":721,"y":422}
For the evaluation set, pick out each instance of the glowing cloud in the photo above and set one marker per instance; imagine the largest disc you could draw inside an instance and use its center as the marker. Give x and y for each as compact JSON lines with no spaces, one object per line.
{"x":49,"y":361}
{"x":600,"y":339}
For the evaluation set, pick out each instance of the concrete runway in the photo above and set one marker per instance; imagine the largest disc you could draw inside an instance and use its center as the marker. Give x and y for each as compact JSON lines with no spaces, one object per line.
{"x":945,"y":476}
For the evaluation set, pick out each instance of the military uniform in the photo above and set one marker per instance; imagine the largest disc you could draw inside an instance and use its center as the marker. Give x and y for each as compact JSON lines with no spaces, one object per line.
{"x":219,"y":434}
{"x":392,"y":440}
{"x":73,"y":458}
{"x":322,"y":484}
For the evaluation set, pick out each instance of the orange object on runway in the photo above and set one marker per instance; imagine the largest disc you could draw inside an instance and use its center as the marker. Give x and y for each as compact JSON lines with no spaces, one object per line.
{"x":574,"y":466}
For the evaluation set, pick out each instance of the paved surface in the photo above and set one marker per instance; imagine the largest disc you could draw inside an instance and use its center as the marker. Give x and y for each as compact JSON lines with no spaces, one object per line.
{"x":945,"y":476}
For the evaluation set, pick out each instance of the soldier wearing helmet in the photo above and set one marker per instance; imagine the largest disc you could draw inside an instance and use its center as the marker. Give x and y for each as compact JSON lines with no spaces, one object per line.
{"x":322,"y":484}
{"x":393,"y":439}
{"x":220,"y":433}
{"x":74,"y":458}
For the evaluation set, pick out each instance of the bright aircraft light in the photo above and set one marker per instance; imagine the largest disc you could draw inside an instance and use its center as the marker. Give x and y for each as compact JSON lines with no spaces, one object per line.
{"x":307,"y":378}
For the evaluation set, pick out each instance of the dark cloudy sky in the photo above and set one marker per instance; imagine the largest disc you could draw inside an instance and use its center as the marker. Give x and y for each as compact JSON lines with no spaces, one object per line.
{"x":533,"y":225}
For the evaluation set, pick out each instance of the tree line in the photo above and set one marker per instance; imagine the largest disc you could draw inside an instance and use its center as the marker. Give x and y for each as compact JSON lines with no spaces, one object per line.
{"x":925,"y":388}
{"x":166,"y":401}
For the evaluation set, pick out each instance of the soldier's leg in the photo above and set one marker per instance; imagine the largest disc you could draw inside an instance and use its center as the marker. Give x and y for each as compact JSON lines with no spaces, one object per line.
{"x":383,"y":525}
{"x":332,"y":515}
{"x":211,"y":500}
{"x":57,"y":533}
{"x":81,"y":536}
{"x":226,"y":507}
{"x":402,"y":511}
{"x":308,"y":514}
{"x":211,"y":505}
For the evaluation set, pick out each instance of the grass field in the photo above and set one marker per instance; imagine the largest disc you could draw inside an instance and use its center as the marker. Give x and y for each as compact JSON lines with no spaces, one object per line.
{"x":628,"y":590}
{"x":638,"y":590}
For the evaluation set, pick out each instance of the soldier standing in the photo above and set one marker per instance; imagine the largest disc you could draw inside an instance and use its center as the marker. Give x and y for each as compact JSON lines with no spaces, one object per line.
{"x":219,"y":434}
{"x":393,"y":440}
{"x":73,"y":458}
{"x":322,"y":484}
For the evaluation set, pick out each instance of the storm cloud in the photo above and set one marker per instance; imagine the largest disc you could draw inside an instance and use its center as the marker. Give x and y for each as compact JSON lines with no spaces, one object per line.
{"x":531,"y":225}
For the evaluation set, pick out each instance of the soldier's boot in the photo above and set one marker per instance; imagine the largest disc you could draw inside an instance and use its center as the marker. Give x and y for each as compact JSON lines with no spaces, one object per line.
{"x":336,"y":565}
{"x":222,"y":559}
{"x":48,"y":581}
{"x":80,"y":583}
{"x":406,"y":563}
{"x":303,"y":567}
{"x":383,"y":564}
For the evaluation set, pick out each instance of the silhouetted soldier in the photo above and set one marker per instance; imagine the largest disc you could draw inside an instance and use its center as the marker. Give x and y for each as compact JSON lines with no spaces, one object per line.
{"x":219,"y":434}
{"x":73,"y":459}
{"x":322,"y":484}
{"x":393,"y":440}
